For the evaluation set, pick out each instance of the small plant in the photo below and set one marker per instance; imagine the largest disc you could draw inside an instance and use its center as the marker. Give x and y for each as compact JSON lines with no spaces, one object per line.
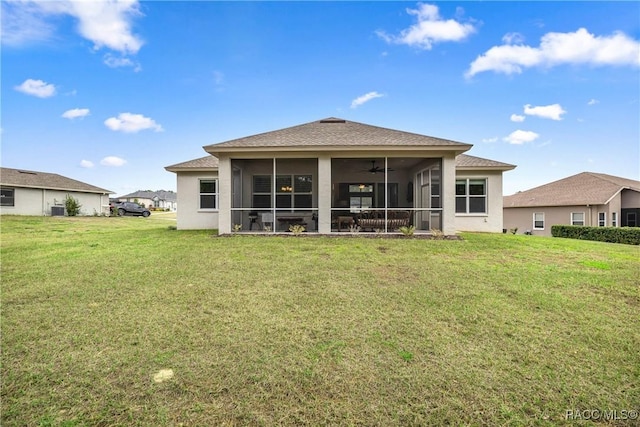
{"x":354,"y":228}
{"x":72,"y":205}
{"x":407,"y":230}
{"x":297,"y":229}
{"x":513,"y":230}
{"x":237,"y":227}
{"x":172,"y":227}
{"x":437,"y":233}
{"x":267,"y":228}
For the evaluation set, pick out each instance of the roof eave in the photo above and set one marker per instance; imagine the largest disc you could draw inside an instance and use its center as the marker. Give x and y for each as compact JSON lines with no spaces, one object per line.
{"x":484,"y":168}
{"x":40,"y":187}
{"x":216,"y":150}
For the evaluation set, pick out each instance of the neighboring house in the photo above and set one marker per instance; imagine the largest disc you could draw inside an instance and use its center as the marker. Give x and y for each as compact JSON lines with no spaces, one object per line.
{"x":332,"y":173}
{"x":26,"y":192}
{"x":157,"y":199}
{"x":592,"y":199}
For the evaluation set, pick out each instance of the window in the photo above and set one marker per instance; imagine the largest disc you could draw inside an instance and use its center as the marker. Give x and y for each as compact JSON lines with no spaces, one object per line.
{"x":614,"y":219}
{"x":208,"y":194}
{"x":7,"y":197}
{"x":360,"y":197}
{"x":577,"y":218}
{"x":602,"y":219}
{"x":538,"y":221}
{"x":292,"y":191}
{"x":471,"y":195}
{"x":631,"y":219}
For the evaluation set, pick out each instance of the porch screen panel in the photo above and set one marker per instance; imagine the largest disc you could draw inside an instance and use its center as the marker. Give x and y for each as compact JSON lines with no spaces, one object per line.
{"x":262,"y":191}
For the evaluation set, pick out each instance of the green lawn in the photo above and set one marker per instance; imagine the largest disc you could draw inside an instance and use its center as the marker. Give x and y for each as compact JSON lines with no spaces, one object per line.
{"x":490,"y":330}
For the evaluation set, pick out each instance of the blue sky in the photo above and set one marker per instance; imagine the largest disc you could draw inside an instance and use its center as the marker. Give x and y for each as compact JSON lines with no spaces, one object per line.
{"x":110,"y":93}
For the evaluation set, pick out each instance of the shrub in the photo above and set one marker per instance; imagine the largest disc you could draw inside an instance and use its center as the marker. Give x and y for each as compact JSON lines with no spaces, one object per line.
{"x":72,"y":205}
{"x":626,"y":235}
{"x":407,"y":230}
{"x":297,"y":229}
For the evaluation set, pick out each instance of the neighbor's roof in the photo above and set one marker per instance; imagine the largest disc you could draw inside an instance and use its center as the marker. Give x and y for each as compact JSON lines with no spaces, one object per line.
{"x":586,"y":188}
{"x":203,"y":164}
{"x":48,"y":181}
{"x":162,"y":195}
{"x":332,"y":133}
{"x":466,"y":162}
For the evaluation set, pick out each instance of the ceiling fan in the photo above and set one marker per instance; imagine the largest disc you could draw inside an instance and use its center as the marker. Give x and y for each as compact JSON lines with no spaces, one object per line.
{"x":376,"y":169}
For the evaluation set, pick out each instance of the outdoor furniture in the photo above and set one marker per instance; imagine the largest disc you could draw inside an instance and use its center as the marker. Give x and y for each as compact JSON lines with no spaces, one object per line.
{"x":375,"y":220}
{"x":288,"y":221}
{"x":267,"y":218}
{"x":348,"y":220}
{"x":253,"y":217}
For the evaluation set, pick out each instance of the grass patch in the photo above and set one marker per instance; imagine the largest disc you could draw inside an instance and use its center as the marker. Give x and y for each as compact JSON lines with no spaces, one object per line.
{"x":490,"y":330}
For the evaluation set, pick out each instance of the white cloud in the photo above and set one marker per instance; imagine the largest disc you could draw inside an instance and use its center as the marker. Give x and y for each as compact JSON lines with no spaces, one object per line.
{"x":117,"y":62}
{"x":513,"y":38}
{"x":107,"y":24}
{"x":490,"y":140}
{"x":593,"y":102}
{"x":553,"y":111}
{"x":37,"y":88}
{"x":131,"y":123}
{"x":519,"y":137}
{"x":517,"y":118}
{"x":113,"y":161}
{"x":75,"y":113}
{"x":86,"y":164}
{"x":579,"y":47}
{"x":429,"y":29}
{"x":365,"y":98}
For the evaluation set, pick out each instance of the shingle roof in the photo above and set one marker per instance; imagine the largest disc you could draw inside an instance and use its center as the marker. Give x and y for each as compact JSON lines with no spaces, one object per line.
{"x":332,"y":133}
{"x":162,"y":195}
{"x":200,"y":164}
{"x":49,"y":181}
{"x":466,"y":162}
{"x":586,"y":188}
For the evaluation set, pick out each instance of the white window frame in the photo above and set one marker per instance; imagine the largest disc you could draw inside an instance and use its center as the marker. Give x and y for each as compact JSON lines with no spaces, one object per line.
{"x":214,"y":194}
{"x":614,"y":219}
{"x":535,"y":221}
{"x":573,"y":220}
{"x":468,"y":196}
{"x":602,"y":219}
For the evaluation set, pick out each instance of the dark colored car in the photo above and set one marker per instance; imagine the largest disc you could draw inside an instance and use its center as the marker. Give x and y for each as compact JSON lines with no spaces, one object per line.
{"x":129,"y":208}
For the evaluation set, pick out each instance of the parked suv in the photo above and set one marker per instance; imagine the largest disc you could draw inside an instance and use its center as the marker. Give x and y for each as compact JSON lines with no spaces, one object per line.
{"x":129,"y":208}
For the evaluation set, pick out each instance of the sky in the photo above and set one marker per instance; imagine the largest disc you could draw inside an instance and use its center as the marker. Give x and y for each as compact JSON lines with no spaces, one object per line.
{"x":111,"y":92}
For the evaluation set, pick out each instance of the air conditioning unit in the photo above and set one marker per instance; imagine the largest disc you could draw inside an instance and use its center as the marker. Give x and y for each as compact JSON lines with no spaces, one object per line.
{"x":57,"y":210}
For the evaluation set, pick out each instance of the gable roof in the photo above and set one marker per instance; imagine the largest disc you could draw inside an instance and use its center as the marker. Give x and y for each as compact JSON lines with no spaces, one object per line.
{"x":334,"y":133}
{"x":202,"y":164}
{"x":50,"y":181}
{"x":161,"y":194}
{"x":586,"y":188}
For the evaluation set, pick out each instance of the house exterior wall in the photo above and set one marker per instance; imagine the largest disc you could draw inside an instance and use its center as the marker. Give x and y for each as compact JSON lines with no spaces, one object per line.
{"x":522,"y":218}
{"x":38,"y":201}
{"x":190,"y":216}
{"x":630,"y":199}
{"x":492,"y":220}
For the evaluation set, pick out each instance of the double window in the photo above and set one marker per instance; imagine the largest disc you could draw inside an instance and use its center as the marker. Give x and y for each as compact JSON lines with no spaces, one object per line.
{"x":602,"y":219}
{"x":614,"y":219}
{"x":577,"y":218}
{"x":7,"y":197}
{"x":471,"y":196}
{"x":538,"y":221}
{"x":208,"y":194}
{"x":292,"y":191}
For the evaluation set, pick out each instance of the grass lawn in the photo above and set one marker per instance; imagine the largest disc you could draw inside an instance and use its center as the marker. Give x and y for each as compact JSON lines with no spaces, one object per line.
{"x":490,"y":330}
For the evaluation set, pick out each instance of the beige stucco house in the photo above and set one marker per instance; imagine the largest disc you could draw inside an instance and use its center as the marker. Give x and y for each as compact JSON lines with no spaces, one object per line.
{"x":161,"y":199}
{"x":334,"y":175}
{"x":25,"y":192}
{"x":588,"y":198}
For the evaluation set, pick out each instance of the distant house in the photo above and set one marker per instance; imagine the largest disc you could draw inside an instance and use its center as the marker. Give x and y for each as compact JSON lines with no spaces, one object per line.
{"x":160,"y":199}
{"x":334,"y":175}
{"x":25,"y":192}
{"x":588,"y":198}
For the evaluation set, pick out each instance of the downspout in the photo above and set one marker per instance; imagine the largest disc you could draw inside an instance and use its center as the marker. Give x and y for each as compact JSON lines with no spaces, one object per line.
{"x":44,"y":198}
{"x":590,"y":219}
